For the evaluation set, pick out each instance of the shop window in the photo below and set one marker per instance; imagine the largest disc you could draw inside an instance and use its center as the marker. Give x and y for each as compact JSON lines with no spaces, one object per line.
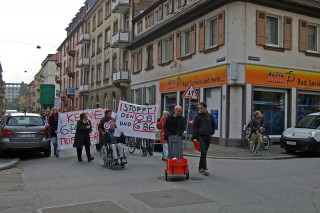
{"x":306,"y":104}
{"x":170,"y":101}
{"x":272,"y":104}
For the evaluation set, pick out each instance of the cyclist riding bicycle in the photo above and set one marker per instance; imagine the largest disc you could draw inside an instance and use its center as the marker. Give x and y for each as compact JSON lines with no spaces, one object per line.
{"x":256,"y":141}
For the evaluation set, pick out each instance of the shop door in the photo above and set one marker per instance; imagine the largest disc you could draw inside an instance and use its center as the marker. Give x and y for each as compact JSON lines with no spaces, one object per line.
{"x":274,"y":107}
{"x":212,"y":97}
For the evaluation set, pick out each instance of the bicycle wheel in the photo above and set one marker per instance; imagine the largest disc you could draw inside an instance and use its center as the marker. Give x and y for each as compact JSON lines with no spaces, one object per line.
{"x":103,"y":156}
{"x":131,"y":144}
{"x":266,"y":142}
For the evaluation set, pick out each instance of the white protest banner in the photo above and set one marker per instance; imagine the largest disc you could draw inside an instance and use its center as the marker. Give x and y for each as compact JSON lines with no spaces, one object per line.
{"x":137,"y":120}
{"x":67,"y":124}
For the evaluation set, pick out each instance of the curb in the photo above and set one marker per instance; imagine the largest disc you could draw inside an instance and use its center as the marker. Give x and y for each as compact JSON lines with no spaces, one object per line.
{"x":247,"y":158}
{"x":10,"y":164}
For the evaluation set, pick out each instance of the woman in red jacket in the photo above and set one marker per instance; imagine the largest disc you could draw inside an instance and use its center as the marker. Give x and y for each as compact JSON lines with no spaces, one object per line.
{"x":160,"y":126}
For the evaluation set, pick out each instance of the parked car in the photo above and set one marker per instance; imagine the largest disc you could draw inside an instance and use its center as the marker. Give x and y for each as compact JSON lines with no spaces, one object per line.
{"x":24,"y":131}
{"x":305,"y":136}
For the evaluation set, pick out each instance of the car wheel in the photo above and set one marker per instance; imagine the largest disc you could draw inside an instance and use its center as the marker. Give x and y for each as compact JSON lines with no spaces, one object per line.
{"x":290,"y":151}
{"x":47,"y":152}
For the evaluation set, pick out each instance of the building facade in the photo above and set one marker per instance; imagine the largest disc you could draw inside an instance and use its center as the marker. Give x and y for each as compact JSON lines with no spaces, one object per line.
{"x":241,"y":56}
{"x":93,"y":59}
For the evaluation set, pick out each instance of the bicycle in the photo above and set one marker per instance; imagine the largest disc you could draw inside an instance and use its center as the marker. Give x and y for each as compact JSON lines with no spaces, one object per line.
{"x":141,"y":143}
{"x":265,"y":140}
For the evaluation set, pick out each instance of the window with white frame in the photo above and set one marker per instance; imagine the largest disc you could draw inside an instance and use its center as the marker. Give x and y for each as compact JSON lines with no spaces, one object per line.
{"x":92,"y":76}
{"x":165,"y":50}
{"x":186,"y":42}
{"x":100,"y":17}
{"x":212,"y":32}
{"x":93,"y":47}
{"x":98,"y":73}
{"x":107,"y":37}
{"x":273,"y":30}
{"x":166,"y":9}
{"x":177,"y":4}
{"x":135,"y":62}
{"x":94,"y":23}
{"x":150,"y":57}
{"x":99,"y":43}
{"x":114,"y":64}
{"x":107,"y":69}
{"x":108,"y":8}
{"x":313,"y":38}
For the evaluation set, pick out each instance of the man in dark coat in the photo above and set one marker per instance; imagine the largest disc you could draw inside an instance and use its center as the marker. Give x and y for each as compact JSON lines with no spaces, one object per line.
{"x":82,"y":136}
{"x":174,"y":127}
{"x":101,"y":127}
{"x":203,"y":127}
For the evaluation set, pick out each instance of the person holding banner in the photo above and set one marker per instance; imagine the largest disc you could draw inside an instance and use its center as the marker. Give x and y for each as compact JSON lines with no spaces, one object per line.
{"x":174,"y":127}
{"x":82,"y":137}
{"x":203,"y":127}
{"x":160,"y":126}
{"x":116,"y":143}
{"x":53,"y":124}
{"x":102,"y":127}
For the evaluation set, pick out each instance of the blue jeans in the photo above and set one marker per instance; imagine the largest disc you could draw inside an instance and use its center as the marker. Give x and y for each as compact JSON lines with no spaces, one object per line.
{"x":204,"y":146}
{"x":55,"y":145}
{"x":164,"y":150}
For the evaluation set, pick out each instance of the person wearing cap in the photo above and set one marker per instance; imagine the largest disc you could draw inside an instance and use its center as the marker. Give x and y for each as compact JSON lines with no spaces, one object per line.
{"x":104,"y":122}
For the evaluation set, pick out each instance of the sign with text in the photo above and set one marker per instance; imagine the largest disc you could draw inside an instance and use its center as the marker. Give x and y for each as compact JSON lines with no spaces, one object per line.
{"x":67,"y":125}
{"x":137,"y":120}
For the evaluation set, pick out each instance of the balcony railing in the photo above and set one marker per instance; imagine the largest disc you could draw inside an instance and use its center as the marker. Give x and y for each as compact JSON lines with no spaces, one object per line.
{"x":120,"y":6}
{"x":70,"y":72}
{"x":84,"y":38}
{"x":84,"y":62}
{"x":84,"y":88}
{"x":120,"y":40}
{"x":121,"y":78}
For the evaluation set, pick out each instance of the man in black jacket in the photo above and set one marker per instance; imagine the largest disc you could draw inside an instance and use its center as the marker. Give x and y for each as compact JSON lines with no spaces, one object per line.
{"x":203,"y":127}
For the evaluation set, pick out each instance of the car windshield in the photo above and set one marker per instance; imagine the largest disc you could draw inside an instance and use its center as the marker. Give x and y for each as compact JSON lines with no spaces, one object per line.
{"x":310,"y":122}
{"x":25,"y":121}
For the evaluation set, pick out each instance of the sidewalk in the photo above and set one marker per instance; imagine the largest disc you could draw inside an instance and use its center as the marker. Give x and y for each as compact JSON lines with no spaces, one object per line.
{"x":215,"y":151}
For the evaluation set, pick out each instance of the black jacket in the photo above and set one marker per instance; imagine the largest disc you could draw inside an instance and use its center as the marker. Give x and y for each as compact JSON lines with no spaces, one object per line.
{"x":174,"y":126}
{"x":53,"y":124}
{"x":82,"y":136}
{"x":203,"y":125}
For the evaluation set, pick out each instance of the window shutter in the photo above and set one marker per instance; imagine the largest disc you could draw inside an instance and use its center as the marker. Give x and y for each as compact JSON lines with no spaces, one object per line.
{"x":261,"y":28}
{"x":160,"y":12}
{"x":140,"y":61}
{"x":221,"y":29}
{"x":183,"y":2}
{"x":287,"y":41}
{"x":201,"y":36}
{"x":170,"y":6}
{"x":178,"y":45}
{"x":302,"y":36}
{"x":193,"y":40}
{"x":171,"y":48}
{"x":159,"y":53}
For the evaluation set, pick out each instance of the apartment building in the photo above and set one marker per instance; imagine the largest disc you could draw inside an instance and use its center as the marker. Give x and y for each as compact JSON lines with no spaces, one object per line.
{"x":94,"y":62}
{"x":241,"y":56}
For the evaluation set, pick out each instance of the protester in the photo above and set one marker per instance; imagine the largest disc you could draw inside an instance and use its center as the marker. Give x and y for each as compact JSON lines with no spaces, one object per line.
{"x":174,"y":127}
{"x":116,"y":143}
{"x":160,"y":126}
{"x":203,"y":127}
{"x":82,"y":136}
{"x":53,"y":124}
{"x":101,"y":127}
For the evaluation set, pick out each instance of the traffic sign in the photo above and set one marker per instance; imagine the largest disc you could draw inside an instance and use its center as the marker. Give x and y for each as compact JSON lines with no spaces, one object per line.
{"x":191,"y":92}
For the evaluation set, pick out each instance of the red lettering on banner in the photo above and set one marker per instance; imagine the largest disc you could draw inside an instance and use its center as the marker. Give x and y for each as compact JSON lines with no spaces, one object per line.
{"x":66,"y":141}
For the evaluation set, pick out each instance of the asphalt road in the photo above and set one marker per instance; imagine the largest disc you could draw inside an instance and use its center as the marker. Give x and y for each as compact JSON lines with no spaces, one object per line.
{"x":62,"y":184}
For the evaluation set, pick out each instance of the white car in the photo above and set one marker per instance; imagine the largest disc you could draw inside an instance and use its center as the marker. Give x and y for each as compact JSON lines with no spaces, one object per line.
{"x":305,"y":136}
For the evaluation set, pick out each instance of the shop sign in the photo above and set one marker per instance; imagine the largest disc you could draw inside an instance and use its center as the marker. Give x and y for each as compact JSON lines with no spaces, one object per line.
{"x":191,"y":93}
{"x":280,"y":77}
{"x":202,"y":78}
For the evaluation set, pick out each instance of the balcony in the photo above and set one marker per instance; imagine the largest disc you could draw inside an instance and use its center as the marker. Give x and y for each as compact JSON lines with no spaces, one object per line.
{"x":71,"y":91}
{"x":120,"y":40}
{"x":84,"y":88}
{"x":83,"y":62}
{"x":58,"y":80}
{"x":121,"y":78}
{"x":84,"y":38}
{"x":71,"y":52}
{"x":120,"y":6}
{"x":59,"y":64}
{"x":70,"y":72}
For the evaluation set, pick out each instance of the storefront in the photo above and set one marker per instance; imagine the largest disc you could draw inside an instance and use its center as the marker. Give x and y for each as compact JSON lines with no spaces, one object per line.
{"x":208,"y":85}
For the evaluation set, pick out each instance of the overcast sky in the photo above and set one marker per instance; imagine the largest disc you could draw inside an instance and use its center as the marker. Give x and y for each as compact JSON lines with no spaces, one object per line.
{"x":24,"y":24}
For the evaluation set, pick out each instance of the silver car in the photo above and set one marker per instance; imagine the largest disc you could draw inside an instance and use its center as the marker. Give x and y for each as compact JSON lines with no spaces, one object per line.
{"x":24,"y":131}
{"x":305,"y":136}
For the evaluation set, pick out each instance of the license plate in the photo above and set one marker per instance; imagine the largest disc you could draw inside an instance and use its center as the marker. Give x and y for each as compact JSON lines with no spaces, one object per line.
{"x":26,"y":135}
{"x":291,"y":143}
